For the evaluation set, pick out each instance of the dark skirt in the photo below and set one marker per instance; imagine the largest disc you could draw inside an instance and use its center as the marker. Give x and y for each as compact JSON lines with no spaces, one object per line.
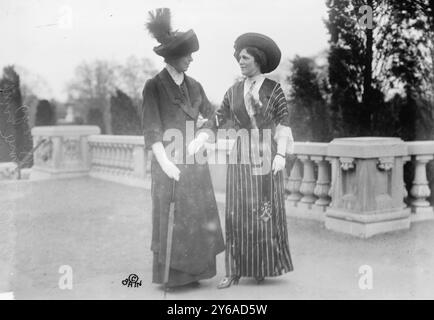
{"x":197,"y":233}
{"x":178,"y":277}
{"x":256,"y":230}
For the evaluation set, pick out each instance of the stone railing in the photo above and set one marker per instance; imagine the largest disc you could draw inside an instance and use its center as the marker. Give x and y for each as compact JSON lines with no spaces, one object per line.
{"x":352,"y":185}
{"x":421,"y":153}
{"x":356,"y":185}
{"x":120,"y":159}
{"x":64,"y":154}
{"x":308,"y":182}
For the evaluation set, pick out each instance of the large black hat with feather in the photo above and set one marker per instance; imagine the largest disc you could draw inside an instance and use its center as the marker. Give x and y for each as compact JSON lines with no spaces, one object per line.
{"x":172,"y":43}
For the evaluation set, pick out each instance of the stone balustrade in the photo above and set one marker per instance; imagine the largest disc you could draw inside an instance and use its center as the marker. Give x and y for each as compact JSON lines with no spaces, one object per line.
{"x":64,"y":153}
{"x":421,"y":152}
{"x":352,"y":185}
{"x":356,"y":185}
{"x":120,"y":159}
{"x":308,"y":181}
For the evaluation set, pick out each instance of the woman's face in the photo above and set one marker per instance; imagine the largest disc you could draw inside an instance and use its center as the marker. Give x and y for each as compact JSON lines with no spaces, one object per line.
{"x":181,"y":64}
{"x":249,"y":67}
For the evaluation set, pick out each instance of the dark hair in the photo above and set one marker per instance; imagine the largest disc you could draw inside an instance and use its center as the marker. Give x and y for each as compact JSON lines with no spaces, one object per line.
{"x":257,"y":54}
{"x":171,"y":58}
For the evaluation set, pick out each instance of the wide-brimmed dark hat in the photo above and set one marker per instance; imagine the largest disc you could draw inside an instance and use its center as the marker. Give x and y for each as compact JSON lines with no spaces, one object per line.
{"x":172,"y":43}
{"x":263,"y":43}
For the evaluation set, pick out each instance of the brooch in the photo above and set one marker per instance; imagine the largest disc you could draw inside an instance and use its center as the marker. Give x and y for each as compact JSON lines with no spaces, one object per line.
{"x":266,"y":211}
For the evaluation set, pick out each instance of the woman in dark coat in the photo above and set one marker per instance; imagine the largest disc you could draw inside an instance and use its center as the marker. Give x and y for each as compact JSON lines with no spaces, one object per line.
{"x":256,"y":231}
{"x":170,"y":100}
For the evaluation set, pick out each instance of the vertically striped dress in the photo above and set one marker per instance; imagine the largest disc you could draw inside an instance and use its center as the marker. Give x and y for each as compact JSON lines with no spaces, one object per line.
{"x":256,"y":229}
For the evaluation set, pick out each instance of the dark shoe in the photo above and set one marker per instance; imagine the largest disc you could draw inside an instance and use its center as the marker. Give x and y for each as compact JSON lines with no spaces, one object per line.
{"x":227,"y":282}
{"x":259,"y":279}
{"x":194,"y":284}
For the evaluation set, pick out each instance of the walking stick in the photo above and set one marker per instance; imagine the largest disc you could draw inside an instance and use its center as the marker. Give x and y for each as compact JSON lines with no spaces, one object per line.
{"x":169,"y":238}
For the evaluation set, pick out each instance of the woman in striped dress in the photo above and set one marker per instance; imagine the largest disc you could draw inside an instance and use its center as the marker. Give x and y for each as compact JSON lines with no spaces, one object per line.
{"x":256,"y":230}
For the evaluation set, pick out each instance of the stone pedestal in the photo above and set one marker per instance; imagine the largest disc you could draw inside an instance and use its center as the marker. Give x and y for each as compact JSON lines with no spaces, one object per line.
{"x":367,"y":187}
{"x":63,"y":152}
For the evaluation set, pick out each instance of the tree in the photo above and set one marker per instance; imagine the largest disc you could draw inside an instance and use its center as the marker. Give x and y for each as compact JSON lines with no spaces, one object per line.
{"x":32,"y":86}
{"x":345,"y":67}
{"x":132,"y":75}
{"x":309,"y":117}
{"x":45,"y":114}
{"x":15,"y":132}
{"x":365,"y":62}
{"x":96,"y":117}
{"x":395,"y":60}
{"x":124,"y":116}
{"x":90,"y":91}
{"x":404,"y":47}
{"x":95,"y":82}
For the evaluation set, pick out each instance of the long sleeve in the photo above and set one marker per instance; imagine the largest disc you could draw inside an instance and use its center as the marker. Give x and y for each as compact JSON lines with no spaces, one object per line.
{"x":220,"y":116}
{"x":283,"y":134}
{"x":152,"y":127}
{"x":280,"y":107}
{"x":206,"y":109}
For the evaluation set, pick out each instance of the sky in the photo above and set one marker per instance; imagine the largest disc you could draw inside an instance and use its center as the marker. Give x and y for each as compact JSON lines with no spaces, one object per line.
{"x":49,"y":38}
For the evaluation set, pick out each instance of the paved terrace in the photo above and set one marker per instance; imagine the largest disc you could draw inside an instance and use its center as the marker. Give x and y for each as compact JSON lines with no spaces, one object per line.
{"x":103,"y":230}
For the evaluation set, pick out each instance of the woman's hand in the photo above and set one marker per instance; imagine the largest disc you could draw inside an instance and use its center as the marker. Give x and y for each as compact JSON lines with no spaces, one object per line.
{"x":197,"y":143}
{"x":171,"y":170}
{"x":279,"y":163}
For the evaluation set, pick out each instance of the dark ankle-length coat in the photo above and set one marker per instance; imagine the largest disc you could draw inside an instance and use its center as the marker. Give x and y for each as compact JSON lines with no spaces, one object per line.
{"x":197,"y":233}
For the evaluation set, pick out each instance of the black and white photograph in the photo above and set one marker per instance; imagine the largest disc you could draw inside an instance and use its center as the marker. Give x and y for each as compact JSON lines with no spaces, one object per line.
{"x":188,"y":150}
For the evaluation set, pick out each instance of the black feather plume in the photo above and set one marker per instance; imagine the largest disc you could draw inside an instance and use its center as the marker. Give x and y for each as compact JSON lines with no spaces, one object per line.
{"x":159,"y":24}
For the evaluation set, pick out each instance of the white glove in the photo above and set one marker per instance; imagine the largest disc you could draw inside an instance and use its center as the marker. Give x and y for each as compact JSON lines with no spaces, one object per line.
{"x":197,"y":143}
{"x":171,"y":170}
{"x":279,"y":163}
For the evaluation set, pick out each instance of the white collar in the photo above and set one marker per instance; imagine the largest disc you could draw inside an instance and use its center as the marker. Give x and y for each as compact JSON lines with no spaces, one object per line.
{"x":258,"y":79}
{"x":178,"y":77}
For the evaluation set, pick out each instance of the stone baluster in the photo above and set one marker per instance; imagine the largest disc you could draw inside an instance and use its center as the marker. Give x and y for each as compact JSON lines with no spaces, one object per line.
{"x":307,"y":183}
{"x":110,"y":157}
{"x":323,"y":182}
{"x":98,"y":155}
{"x":104,"y":157}
{"x":127,"y":160}
{"x":333,"y":163}
{"x":119,"y":159}
{"x":404,"y":161}
{"x":92,"y":155}
{"x":113,"y":148}
{"x":131,"y":164}
{"x":420,"y":190}
{"x":294,"y":183}
{"x":120,"y":165}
